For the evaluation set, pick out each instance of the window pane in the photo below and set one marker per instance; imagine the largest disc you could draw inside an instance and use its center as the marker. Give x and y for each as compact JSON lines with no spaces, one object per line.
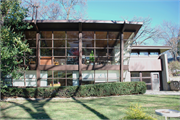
{"x":45,"y":60}
{"x":87,"y":52}
{"x":148,"y":87}
{"x":146,"y":74}
{"x":59,"y":52}
{"x":114,"y":52}
{"x":113,"y":35}
{"x":88,"y":75}
{"x":59,"y":61}
{"x":101,"y":35}
{"x":46,"y":34}
{"x":46,"y":52}
{"x":114,"y":43}
{"x":146,"y":80}
{"x":46,"y":43}
{"x":72,"y":43}
{"x":100,"y":74}
{"x":101,"y":60}
{"x":46,"y":82}
{"x":87,"y":43}
{"x":135,"y":79}
{"x":113,"y":60}
{"x":114,"y":80}
{"x":72,"y":74}
{"x":31,"y":82}
{"x":69,"y":82}
{"x":135,"y":74}
{"x":154,"y":53}
{"x":30,"y":34}
{"x":72,"y":34}
{"x":113,"y":74}
{"x":134,"y":53}
{"x":30,"y":74}
{"x":101,"y":52}
{"x":88,"y":60}
{"x":72,"y":60}
{"x":72,"y":52}
{"x":88,"y":34}
{"x":59,"y":74}
{"x":57,"y":82}
{"x":59,"y":43}
{"x":143,"y":53}
{"x":101,"y":43}
{"x":59,"y":34}
{"x":46,"y":74}
{"x":32,"y":43}
{"x":33,"y":52}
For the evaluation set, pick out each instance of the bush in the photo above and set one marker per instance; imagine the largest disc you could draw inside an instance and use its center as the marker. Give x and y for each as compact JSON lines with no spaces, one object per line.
{"x":104,"y":89}
{"x":136,"y":112}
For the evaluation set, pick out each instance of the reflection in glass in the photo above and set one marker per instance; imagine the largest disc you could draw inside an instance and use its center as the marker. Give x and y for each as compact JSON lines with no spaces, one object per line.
{"x":146,"y":74}
{"x":88,"y":75}
{"x":59,"y":52}
{"x":46,"y":74}
{"x":154,"y":53}
{"x":114,"y":52}
{"x":72,"y":34}
{"x":101,"y":52}
{"x":135,"y":79}
{"x":46,"y":43}
{"x":72,"y":43}
{"x":113,"y":74}
{"x":134,"y":53}
{"x":113,"y":60}
{"x":46,"y":52}
{"x":135,"y":74}
{"x":101,"y":43}
{"x":88,"y":34}
{"x":87,"y":60}
{"x":59,"y":34}
{"x":72,"y":52}
{"x":69,"y":82}
{"x":59,"y":61}
{"x":59,"y":82}
{"x":72,"y":60}
{"x":101,"y":60}
{"x":148,"y":87}
{"x":46,"y":34}
{"x":87,"y":52}
{"x":87,"y":43}
{"x":59,"y":74}
{"x":31,"y":60}
{"x":59,"y":43}
{"x":146,"y":80}
{"x":32,"y":43}
{"x":143,"y":53}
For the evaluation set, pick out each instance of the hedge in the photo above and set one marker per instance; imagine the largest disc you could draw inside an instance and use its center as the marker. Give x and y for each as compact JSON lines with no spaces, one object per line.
{"x":103,"y":89}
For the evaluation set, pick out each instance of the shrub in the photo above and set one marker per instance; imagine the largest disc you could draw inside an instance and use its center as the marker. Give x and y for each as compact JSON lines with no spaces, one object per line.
{"x":136,"y":112}
{"x":103,"y":89}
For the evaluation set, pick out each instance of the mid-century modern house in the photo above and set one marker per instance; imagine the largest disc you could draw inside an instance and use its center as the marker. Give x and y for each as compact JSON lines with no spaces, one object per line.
{"x":79,"y":52}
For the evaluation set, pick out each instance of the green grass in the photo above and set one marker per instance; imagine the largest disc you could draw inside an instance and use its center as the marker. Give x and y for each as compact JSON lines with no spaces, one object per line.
{"x":87,"y":108}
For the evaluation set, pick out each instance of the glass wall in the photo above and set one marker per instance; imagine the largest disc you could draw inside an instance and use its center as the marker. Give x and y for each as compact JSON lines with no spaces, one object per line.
{"x":59,"y":78}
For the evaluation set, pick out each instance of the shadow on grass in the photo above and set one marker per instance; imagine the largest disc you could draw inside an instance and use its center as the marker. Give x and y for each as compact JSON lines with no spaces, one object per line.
{"x":98,"y":114}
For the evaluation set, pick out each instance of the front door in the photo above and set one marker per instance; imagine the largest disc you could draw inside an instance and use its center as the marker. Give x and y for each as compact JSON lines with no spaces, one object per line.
{"x":155,"y":81}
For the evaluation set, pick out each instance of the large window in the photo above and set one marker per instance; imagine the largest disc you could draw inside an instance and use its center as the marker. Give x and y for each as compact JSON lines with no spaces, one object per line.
{"x":142,"y":76}
{"x":59,"y":48}
{"x":100,"y":48}
{"x":59,"y":78}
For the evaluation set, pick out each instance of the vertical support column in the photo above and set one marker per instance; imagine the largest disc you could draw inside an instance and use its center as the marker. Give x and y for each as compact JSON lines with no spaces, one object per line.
{"x":80,"y":53}
{"x":37,"y":59}
{"x":121,"y":56}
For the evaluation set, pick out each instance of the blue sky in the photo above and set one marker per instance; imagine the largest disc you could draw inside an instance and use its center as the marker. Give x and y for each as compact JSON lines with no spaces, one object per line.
{"x":158,"y":10}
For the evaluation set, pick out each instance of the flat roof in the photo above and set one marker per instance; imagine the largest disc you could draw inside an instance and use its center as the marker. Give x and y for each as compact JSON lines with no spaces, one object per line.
{"x":161,"y":48}
{"x":87,"y":25}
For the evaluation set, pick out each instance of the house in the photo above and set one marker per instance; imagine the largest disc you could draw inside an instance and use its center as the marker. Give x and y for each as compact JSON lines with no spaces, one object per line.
{"x":79,"y":52}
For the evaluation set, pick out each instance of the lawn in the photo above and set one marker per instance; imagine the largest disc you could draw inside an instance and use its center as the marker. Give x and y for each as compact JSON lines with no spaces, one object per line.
{"x":86,"y":108}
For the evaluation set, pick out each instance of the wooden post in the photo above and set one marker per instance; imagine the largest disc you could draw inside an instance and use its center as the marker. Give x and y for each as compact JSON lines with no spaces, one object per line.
{"x":80,"y":53}
{"x":121,"y":56}
{"x":37,"y":60}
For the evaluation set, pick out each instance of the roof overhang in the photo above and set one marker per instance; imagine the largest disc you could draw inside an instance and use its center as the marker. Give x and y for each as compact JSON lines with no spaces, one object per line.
{"x":161,"y":48}
{"x":87,"y":25}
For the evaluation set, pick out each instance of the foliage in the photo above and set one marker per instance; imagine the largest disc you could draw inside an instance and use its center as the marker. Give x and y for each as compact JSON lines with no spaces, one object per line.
{"x":174,"y":66}
{"x":92,"y":56}
{"x":12,"y":46}
{"x":56,"y":9}
{"x":136,"y":112}
{"x":104,"y":89}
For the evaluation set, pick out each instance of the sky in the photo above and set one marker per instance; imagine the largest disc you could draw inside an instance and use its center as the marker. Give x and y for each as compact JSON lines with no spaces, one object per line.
{"x":158,"y":10}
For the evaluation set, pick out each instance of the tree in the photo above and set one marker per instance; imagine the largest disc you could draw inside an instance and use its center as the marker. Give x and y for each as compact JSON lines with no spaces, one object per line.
{"x":174,"y":68}
{"x":13,"y":47}
{"x":56,"y":9}
{"x":170,"y":34}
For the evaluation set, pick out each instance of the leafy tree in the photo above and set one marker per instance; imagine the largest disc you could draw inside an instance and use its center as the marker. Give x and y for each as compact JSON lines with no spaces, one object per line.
{"x":13,"y":46}
{"x":174,"y":68}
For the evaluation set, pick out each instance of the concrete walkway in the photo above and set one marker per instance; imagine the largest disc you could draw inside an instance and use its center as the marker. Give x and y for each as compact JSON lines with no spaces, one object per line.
{"x":149,"y":92}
